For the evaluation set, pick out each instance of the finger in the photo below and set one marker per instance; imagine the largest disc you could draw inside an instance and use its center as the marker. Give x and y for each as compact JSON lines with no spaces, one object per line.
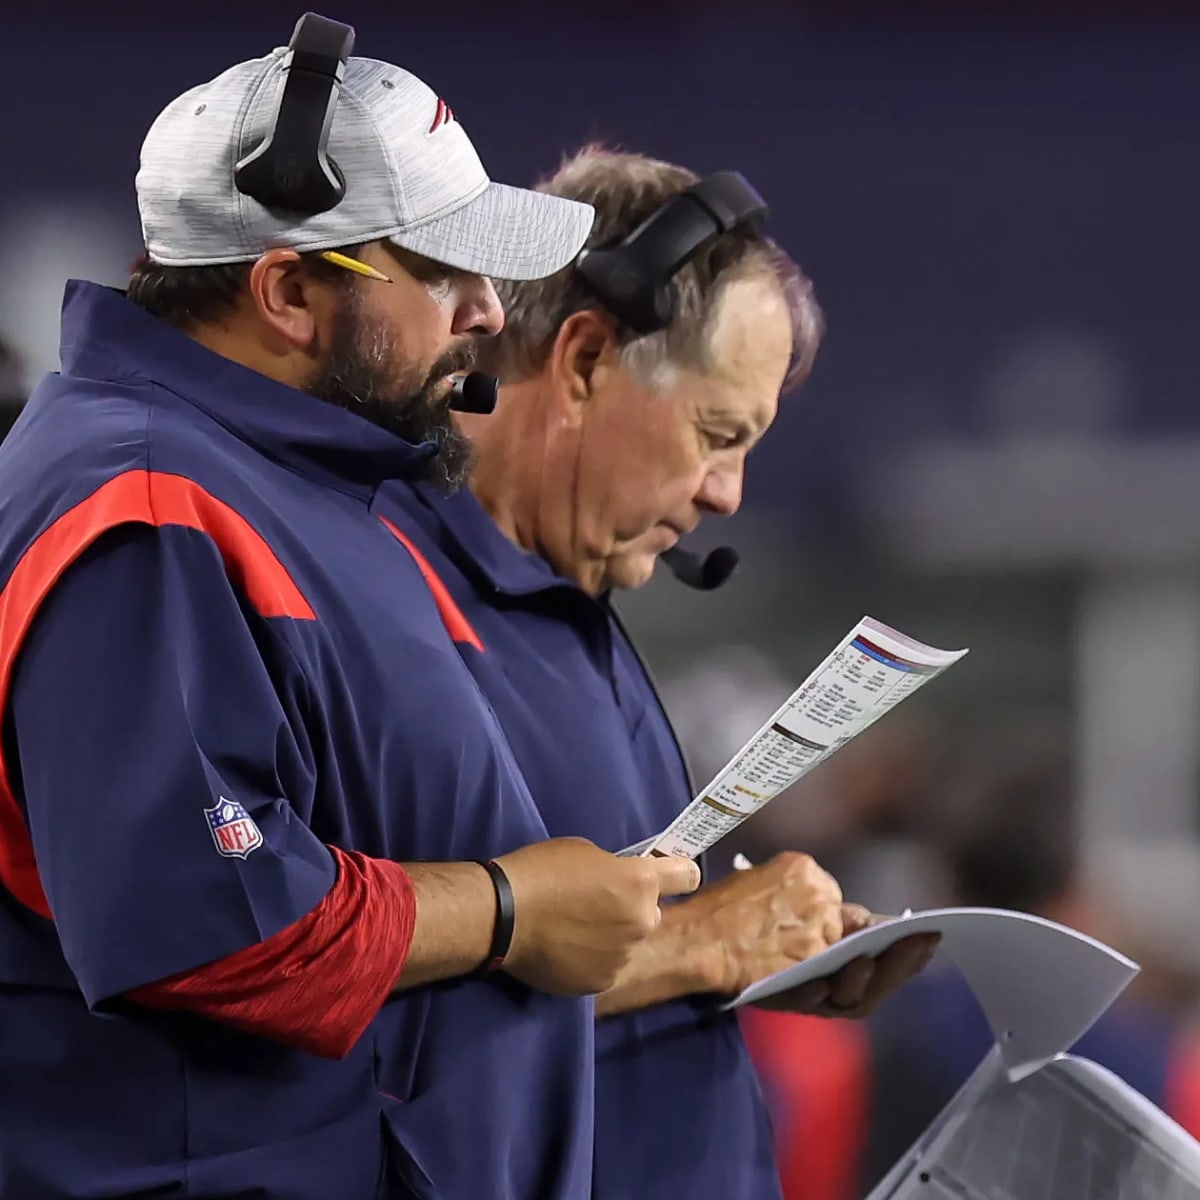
{"x":833,"y":927}
{"x":850,"y":987}
{"x":899,"y":963}
{"x":799,"y":870}
{"x":894,"y":968}
{"x":807,"y":999}
{"x":676,"y":876}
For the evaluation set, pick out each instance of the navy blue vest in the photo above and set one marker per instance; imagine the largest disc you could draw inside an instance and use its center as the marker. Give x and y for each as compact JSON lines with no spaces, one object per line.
{"x":217,"y":659}
{"x":678,"y":1106}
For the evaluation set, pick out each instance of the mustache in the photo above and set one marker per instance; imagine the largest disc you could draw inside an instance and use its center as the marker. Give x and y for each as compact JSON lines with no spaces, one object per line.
{"x":455,"y":362}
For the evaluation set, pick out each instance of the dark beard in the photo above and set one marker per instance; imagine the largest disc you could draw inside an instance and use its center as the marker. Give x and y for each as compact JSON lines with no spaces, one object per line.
{"x":358,"y":372}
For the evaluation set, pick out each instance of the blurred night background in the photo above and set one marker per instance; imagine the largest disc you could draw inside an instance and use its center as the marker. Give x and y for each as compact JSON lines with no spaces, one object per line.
{"x":999,"y":447}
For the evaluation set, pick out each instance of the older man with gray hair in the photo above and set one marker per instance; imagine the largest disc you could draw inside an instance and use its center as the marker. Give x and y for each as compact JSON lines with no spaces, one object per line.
{"x":634,"y":384}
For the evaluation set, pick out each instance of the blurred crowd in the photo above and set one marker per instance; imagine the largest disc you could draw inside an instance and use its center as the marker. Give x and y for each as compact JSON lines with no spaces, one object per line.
{"x":905,"y":819}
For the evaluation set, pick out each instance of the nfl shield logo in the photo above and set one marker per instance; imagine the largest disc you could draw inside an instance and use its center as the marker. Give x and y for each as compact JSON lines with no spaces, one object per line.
{"x":233,"y":829}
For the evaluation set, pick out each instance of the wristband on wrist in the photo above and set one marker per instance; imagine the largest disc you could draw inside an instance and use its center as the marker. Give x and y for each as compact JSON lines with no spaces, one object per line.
{"x":502,"y":934}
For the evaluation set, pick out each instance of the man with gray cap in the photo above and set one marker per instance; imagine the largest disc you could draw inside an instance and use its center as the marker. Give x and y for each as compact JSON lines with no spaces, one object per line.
{"x":235,"y":702}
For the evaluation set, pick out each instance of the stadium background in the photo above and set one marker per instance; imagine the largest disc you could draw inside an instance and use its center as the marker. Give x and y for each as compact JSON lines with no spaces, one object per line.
{"x":1000,"y":446}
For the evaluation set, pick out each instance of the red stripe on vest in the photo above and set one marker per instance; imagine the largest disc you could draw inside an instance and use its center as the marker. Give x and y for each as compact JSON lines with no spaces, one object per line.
{"x":457,"y":625}
{"x":135,"y":497}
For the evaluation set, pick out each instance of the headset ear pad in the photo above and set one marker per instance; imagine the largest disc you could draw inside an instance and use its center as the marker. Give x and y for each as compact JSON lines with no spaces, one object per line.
{"x":326,"y":188}
{"x":618,"y":279}
{"x":662,"y":307}
{"x":633,"y":278}
{"x":291,"y":170}
{"x":281,"y":180}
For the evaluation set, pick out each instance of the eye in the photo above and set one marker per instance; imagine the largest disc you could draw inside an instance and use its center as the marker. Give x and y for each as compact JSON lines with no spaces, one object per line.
{"x":724,"y":441}
{"x":436,"y":273}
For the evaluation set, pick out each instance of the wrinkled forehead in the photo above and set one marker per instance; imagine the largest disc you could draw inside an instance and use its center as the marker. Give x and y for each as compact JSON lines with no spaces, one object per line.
{"x":749,"y":352}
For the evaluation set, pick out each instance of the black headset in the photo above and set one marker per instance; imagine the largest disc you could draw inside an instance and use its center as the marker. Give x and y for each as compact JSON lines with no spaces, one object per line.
{"x":291,"y":169}
{"x":632,"y":278}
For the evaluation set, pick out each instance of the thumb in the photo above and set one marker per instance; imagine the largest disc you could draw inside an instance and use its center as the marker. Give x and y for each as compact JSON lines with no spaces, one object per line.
{"x":676,"y":875}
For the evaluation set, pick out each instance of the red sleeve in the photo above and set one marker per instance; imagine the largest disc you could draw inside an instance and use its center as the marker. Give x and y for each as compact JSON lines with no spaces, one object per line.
{"x":317,"y":984}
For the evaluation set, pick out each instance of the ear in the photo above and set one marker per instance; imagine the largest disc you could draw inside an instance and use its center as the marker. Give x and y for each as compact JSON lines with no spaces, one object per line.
{"x":583,"y":359}
{"x":288,"y":298}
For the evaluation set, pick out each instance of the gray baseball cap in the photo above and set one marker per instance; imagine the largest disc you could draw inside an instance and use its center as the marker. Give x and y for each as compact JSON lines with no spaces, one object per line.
{"x":412,"y":176}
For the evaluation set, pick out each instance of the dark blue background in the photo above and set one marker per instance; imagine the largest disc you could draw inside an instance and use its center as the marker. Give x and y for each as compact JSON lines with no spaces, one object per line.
{"x":951,"y":179}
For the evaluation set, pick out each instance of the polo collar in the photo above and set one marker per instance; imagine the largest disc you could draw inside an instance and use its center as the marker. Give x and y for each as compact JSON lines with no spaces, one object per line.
{"x":106,"y":336}
{"x":484,"y":548}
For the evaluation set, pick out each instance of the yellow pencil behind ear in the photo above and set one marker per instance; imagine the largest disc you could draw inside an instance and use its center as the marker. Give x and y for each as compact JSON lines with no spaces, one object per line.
{"x":352,"y":264}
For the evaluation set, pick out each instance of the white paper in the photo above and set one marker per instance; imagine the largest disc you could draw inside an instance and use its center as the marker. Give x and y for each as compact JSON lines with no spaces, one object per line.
{"x":1070,"y":1130}
{"x":1040,"y":984}
{"x":870,"y":671}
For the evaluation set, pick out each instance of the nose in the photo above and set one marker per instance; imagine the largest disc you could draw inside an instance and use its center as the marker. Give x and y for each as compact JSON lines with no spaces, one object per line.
{"x":721,"y":490}
{"x":479,"y":309}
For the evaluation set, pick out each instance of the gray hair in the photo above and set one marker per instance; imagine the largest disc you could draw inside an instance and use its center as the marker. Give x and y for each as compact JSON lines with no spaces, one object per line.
{"x":625,"y":189}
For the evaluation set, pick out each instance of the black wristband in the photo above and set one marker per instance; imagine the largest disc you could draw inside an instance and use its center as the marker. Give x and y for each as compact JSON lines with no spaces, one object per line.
{"x":506,"y":917}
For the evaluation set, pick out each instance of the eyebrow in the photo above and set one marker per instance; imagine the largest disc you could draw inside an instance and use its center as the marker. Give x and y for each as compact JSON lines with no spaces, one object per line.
{"x":744,"y":430}
{"x":420,"y":267}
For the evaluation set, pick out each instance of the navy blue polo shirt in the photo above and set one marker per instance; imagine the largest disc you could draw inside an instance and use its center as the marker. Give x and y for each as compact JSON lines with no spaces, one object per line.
{"x":216,"y":660}
{"x":678,"y":1107}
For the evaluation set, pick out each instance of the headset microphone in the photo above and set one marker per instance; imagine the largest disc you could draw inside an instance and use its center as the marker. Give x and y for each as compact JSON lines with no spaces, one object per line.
{"x":706,"y":573}
{"x":474,"y":393}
